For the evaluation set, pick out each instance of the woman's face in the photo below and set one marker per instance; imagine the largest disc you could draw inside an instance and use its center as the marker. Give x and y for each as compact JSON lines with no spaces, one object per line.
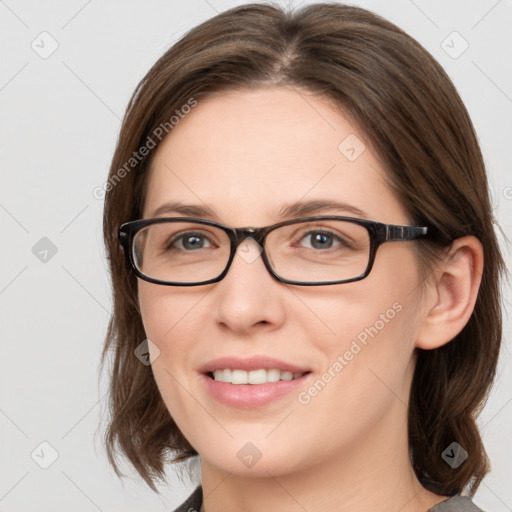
{"x":246,"y":156}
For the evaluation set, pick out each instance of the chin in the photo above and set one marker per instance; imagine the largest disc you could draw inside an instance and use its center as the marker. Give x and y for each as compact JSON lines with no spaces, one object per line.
{"x":250,"y":459}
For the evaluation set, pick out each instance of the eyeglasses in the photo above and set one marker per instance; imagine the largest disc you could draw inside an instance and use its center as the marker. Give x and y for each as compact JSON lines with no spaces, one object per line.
{"x":311,"y":251}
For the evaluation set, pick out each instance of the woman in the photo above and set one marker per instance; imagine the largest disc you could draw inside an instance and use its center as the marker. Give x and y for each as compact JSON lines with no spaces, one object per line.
{"x":297,"y":221}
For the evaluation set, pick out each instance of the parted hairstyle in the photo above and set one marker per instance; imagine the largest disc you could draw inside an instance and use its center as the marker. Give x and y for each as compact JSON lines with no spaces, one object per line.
{"x":408,"y":109}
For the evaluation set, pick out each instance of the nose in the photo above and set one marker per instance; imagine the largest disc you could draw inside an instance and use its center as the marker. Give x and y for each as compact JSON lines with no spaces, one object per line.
{"x":248,"y":297}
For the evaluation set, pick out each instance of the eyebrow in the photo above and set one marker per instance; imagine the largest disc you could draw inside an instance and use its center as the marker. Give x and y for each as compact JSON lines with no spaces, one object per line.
{"x":188,"y":210}
{"x":298,"y":209}
{"x":316,"y":205}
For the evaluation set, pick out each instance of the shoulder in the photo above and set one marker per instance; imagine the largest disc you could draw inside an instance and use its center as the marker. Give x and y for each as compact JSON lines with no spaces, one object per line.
{"x":456,"y":503}
{"x":193,"y":502}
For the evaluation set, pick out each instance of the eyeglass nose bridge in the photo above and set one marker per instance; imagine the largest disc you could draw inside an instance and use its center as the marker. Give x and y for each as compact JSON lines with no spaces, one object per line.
{"x":242,"y":234}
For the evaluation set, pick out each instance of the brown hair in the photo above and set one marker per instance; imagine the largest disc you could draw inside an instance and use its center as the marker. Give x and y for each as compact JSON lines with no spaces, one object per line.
{"x":410,"y":111}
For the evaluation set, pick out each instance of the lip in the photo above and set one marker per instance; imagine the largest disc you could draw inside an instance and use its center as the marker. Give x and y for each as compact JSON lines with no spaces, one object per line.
{"x":251,"y":363}
{"x":250,"y":396}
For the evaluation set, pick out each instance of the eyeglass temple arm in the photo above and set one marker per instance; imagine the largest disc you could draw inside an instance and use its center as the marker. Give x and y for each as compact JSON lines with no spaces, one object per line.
{"x":398,"y":233}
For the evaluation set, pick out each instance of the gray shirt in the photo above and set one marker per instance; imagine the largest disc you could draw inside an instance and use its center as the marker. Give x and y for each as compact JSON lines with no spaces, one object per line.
{"x":455,"y":503}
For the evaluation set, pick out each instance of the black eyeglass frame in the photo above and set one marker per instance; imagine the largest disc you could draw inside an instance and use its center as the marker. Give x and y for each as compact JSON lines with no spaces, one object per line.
{"x":379,"y":233}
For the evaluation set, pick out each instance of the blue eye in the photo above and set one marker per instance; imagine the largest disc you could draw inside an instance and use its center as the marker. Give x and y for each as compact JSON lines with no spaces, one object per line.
{"x":189,"y":241}
{"x":322,"y":240}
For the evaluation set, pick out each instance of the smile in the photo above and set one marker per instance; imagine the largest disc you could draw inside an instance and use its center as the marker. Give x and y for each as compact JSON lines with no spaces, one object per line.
{"x":259,"y":376}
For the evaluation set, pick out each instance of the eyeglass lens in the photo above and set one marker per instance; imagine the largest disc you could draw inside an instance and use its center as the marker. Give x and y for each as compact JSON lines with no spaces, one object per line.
{"x":313,"y":251}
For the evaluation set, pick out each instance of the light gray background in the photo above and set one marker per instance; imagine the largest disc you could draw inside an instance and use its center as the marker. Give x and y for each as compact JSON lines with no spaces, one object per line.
{"x":60,"y":120}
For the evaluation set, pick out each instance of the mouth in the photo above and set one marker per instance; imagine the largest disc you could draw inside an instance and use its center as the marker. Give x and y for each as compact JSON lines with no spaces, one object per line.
{"x":252,"y":382}
{"x":255,"y":388}
{"x":256,"y":377}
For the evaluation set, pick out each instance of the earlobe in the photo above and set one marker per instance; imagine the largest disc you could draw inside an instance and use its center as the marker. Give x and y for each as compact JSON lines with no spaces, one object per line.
{"x":451,"y":294}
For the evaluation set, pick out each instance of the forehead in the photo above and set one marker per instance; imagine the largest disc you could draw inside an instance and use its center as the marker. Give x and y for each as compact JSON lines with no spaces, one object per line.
{"x":247,"y":153}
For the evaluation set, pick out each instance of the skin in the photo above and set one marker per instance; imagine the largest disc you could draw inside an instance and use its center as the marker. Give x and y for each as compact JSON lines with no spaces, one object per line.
{"x":245,"y":154}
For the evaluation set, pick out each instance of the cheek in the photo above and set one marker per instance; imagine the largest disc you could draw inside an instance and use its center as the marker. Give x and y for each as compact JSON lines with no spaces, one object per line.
{"x":366,"y":371}
{"x":360,"y":336}
{"x":168,"y":318}
{"x":167,"y":313}
{"x":381,"y":307}
{"x":367,"y":332}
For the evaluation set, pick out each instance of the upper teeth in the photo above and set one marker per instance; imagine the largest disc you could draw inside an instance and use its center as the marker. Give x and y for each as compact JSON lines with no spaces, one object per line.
{"x":254,"y":376}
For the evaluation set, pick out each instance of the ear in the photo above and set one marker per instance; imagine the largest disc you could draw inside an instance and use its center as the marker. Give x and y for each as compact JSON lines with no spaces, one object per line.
{"x":451,"y":293}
